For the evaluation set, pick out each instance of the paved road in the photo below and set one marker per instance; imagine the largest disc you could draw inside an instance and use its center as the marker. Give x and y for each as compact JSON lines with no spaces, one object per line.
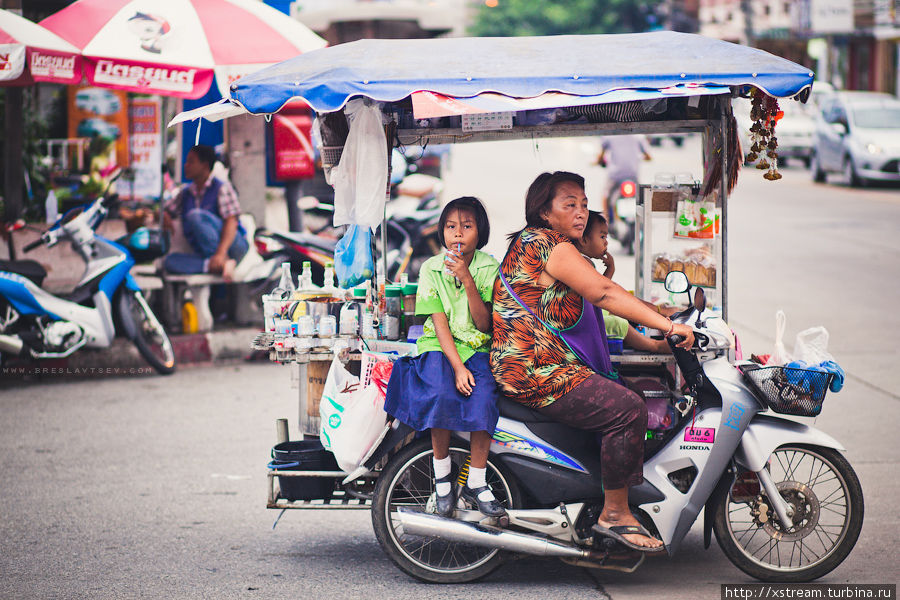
{"x":154,"y":487}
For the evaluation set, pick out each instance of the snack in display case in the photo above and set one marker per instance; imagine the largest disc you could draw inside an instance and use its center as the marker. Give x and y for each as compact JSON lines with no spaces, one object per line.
{"x":696,"y":263}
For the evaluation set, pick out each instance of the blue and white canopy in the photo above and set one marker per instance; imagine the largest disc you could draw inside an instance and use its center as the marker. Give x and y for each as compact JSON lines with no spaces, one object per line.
{"x":517,"y":67}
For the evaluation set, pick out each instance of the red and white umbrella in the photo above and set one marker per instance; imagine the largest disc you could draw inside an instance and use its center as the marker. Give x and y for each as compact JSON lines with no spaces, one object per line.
{"x":30,"y":53}
{"x":174,"y":47}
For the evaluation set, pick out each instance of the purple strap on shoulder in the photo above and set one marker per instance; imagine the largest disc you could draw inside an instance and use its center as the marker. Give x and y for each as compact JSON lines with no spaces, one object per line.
{"x":582,"y":338}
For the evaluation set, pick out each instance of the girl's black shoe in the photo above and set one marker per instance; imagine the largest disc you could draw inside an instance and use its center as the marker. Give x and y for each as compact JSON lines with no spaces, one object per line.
{"x":445,"y":505}
{"x":491,"y":508}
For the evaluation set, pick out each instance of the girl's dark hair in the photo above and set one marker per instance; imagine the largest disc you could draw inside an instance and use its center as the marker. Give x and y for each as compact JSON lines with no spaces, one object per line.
{"x":472,"y":205}
{"x":594,"y":218}
{"x":540,"y":196}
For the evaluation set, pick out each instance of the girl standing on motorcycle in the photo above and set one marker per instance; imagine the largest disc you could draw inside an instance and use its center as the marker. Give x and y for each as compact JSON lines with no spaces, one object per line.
{"x":545,"y":336}
{"x":449,"y":385}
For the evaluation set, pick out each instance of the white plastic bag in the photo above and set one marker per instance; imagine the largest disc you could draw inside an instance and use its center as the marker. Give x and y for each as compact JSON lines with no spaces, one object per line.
{"x":351,"y":415}
{"x":338,"y":383}
{"x":811,"y":346}
{"x":780,"y":356}
{"x":360,"y":178}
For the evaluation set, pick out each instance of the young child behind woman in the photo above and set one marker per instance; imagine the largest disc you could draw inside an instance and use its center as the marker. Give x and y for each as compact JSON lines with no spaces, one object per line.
{"x":449,"y":385}
{"x":594,"y":243}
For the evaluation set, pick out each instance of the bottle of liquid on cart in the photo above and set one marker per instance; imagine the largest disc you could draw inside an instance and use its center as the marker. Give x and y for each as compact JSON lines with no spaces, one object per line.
{"x":329,"y":284}
{"x":305,"y":286}
{"x":286,"y":283}
{"x":305,"y":279}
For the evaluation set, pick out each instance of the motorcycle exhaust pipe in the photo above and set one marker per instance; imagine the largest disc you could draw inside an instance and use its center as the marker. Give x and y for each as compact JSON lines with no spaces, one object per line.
{"x":417,"y":523}
{"x":11,"y":344}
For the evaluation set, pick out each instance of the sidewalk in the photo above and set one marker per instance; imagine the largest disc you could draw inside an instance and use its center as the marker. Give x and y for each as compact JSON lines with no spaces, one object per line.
{"x":222,"y":346}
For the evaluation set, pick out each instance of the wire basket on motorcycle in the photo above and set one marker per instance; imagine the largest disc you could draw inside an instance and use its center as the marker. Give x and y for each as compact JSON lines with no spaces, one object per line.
{"x":790,"y":391}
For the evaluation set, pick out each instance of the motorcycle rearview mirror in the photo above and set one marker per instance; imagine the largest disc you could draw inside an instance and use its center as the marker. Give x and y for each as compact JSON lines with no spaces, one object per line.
{"x":677,"y":283}
{"x":700,"y":304}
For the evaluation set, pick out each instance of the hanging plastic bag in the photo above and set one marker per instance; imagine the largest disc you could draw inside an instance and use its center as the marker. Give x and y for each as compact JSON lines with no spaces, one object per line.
{"x":355,"y":423}
{"x":780,"y":356}
{"x":360,"y":178}
{"x":338,"y":383}
{"x":353,"y":261}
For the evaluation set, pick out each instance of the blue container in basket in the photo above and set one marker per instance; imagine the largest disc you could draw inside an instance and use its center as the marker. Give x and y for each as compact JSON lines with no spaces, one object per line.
{"x":614,"y":345}
{"x":304,"y":455}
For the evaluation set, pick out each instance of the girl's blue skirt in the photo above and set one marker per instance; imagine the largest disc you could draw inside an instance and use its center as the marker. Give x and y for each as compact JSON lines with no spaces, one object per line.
{"x":422,"y":393}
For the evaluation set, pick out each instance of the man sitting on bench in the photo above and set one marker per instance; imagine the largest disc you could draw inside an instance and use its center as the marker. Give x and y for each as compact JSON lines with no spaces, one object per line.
{"x":209,"y":209}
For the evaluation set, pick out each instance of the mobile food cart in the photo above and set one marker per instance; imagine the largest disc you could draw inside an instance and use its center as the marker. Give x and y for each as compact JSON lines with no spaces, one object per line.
{"x":459,"y":90}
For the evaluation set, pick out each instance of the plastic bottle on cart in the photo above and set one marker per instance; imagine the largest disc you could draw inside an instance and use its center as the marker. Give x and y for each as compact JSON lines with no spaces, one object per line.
{"x":349,"y":325}
{"x":305,"y":279}
{"x":368,"y":330}
{"x":391,"y":317}
{"x":329,"y":285}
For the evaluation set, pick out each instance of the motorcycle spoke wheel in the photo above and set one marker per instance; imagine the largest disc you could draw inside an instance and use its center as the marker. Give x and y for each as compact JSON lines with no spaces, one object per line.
{"x":408,"y":483}
{"x":821,"y":488}
{"x":150,"y":337}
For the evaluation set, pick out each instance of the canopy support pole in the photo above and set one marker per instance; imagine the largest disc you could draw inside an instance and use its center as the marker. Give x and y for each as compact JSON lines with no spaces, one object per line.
{"x":724,"y":118}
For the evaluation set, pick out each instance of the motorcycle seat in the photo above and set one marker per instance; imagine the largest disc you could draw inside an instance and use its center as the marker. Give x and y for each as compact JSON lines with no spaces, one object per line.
{"x":308,"y":239}
{"x":519,"y":412}
{"x":28,"y":269}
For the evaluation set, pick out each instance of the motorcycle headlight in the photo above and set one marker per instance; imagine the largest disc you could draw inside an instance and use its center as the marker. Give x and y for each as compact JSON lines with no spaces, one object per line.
{"x":720,"y":332}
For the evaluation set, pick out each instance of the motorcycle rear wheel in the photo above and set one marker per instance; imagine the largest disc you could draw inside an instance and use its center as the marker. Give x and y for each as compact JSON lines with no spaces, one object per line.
{"x":827,"y":499}
{"x":408,"y":481}
{"x":150,"y":338}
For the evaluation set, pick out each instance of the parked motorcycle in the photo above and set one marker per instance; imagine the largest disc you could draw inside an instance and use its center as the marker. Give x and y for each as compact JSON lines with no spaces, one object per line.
{"x":623,"y":205}
{"x":783,"y":502}
{"x":37,"y":324}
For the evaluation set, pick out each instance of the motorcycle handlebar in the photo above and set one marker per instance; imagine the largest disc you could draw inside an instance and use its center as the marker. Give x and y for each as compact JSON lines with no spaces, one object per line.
{"x":33,"y":245}
{"x":676,"y":339}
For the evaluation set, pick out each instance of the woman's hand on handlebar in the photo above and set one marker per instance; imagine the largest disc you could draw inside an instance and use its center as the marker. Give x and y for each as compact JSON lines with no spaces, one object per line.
{"x":685,"y":335}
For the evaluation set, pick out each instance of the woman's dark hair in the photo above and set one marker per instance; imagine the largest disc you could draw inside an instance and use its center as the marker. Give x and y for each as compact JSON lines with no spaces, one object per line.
{"x":472,"y":205}
{"x":540,"y":196}
{"x":206,"y":154}
{"x":594,"y":218}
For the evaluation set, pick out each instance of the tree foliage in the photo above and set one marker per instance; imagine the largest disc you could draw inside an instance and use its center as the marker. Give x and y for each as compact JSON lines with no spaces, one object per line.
{"x":560,"y":17}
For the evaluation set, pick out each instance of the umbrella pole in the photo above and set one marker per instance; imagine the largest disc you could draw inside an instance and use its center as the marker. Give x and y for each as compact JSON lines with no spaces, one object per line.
{"x":162,"y":167}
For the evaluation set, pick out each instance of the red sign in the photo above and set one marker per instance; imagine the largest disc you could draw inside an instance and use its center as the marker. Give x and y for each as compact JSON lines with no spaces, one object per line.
{"x":294,"y":156}
{"x":148,"y":78}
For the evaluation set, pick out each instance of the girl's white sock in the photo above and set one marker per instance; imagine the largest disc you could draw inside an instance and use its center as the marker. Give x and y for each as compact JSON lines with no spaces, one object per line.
{"x":477,"y":479}
{"x":442,"y":469}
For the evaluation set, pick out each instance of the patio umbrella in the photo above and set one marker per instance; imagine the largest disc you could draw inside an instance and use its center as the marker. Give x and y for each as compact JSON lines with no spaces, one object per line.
{"x":175,"y":47}
{"x":30,"y":53}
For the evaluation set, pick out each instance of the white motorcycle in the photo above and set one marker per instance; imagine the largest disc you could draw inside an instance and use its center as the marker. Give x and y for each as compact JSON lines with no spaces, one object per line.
{"x":784,"y":503}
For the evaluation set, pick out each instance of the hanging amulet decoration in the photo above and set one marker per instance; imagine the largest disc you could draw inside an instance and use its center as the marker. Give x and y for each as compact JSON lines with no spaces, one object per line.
{"x":764,"y":113}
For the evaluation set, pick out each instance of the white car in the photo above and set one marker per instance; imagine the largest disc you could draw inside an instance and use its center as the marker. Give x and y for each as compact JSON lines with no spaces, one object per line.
{"x":795,"y":132}
{"x":858,"y":135}
{"x":97,"y":101}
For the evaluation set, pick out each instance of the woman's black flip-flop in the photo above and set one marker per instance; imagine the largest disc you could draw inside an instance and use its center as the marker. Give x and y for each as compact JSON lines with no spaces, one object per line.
{"x":616,"y":533}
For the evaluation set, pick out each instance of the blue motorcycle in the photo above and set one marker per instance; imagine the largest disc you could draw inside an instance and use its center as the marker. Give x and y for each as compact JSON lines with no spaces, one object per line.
{"x":37,"y":324}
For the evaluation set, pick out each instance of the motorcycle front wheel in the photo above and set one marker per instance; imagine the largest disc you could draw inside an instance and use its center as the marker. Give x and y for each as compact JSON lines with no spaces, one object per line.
{"x":827,"y":501}
{"x":150,"y":338}
{"x":408,"y":482}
